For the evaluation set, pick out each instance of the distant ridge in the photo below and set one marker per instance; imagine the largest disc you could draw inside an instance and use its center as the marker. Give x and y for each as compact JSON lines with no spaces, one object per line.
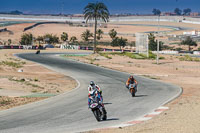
{"x":16,"y":12}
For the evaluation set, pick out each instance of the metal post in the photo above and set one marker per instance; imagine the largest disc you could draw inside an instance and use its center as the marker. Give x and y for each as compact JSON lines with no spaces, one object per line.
{"x":157,"y":58}
{"x":147,"y":46}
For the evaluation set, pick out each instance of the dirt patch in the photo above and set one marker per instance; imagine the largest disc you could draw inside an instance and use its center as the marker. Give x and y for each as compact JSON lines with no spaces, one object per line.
{"x":21,"y":83}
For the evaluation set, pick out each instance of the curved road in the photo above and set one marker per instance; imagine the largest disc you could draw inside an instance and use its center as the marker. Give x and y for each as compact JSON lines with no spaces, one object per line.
{"x":69,"y":112}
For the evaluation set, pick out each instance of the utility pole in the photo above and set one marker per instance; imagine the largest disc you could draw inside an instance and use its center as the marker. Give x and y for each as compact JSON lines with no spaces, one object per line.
{"x":157,"y":58}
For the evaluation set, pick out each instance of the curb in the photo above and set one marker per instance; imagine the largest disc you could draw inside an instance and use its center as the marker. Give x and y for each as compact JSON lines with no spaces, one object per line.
{"x":139,"y":120}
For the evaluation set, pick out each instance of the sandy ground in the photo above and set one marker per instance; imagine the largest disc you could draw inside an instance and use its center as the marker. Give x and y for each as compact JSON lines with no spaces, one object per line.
{"x":57,"y":29}
{"x":34,"y":83}
{"x":183,"y":114}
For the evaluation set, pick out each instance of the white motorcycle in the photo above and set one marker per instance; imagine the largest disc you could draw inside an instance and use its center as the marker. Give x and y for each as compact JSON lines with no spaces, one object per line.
{"x":97,"y":108}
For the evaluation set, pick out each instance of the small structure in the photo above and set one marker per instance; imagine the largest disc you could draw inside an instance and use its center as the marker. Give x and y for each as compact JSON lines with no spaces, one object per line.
{"x":192,"y":33}
{"x":142,"y":45}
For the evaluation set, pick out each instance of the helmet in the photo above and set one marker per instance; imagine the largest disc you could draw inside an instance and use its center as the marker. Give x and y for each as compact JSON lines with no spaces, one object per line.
{"x":91,"y":89}
{"x":131,"y":77}
{"x":91,"y":83}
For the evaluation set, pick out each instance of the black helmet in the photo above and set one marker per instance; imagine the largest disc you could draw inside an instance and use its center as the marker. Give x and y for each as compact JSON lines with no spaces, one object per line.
{"x":131,"y":77}
{"x":91,"y":83}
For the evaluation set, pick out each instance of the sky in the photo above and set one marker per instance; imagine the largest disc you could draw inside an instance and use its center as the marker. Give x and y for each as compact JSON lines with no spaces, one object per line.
{"x":114,"y":6}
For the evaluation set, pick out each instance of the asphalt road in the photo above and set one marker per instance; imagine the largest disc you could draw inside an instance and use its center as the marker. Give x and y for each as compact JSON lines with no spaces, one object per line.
{"x":69,"y":112}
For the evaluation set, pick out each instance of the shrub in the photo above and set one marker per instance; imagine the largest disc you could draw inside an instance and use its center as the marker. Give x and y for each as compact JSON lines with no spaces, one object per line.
{"x":12,"y":64}
{"x":189,"y":58}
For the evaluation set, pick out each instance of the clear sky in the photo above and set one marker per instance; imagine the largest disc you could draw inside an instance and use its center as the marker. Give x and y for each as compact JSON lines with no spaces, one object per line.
{"x":114,"y":6}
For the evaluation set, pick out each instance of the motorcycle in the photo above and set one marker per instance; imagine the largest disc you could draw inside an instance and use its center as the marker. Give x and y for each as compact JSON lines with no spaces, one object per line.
{"x":97,"y":109}
{"x":37,"y":52}
{"x":132,"y":89}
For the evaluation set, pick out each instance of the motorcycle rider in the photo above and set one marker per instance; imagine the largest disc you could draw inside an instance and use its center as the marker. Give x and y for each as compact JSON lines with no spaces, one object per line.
{"x":131,"y":80}
{"x":94,"y":89}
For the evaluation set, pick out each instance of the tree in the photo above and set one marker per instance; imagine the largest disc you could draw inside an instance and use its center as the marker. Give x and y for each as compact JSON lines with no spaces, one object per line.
{"x":177,"y":11}
{"x":40,"y":39}
{"x":96,"y":11}
{"x":153,"y":43}
{"x":187,"y":11}
{"x":26,"y":39}
{"x":86,"y":35}
{"x":112,"y":33}
{"x":122,"y":42}
{"x":73,"y":39}
{"x":114,"y":42}
{"x":9,"y":41}
{"x":51,"y":39}
{"x":156,"y":11}
{"x":64,"y":36}
{"x":99,"y":34}
{"x":188,"y":41}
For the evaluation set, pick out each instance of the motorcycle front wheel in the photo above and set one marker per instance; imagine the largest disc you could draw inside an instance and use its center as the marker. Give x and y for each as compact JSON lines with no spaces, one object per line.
{"x":97,"y":114}
{"x":132,"y":92}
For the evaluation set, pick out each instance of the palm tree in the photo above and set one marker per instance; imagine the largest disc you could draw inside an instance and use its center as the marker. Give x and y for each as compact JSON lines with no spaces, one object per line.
{"x":113,"y":34}
{"x":86,"y":35}
{"x":96,"y":11}
{"x":64,"y":36}
{"x":73,"y":39}
{"x":99,"y":34}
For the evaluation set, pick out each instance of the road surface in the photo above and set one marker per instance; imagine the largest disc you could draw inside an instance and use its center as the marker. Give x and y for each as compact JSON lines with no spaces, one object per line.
{"x":69,"y":112}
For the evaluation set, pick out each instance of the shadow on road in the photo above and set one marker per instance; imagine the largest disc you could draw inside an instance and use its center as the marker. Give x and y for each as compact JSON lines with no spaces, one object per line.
{"x":112,"y":119}
{"x":107,"y":103}
{"x":141,"y":95}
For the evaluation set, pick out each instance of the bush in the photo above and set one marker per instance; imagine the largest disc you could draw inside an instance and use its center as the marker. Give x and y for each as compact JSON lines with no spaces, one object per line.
{"x":26,"y":39}
{"x":12,"y":64}
{"x":189,"y":58}
{"x":130,"y":55}
{"x":105,"y":55}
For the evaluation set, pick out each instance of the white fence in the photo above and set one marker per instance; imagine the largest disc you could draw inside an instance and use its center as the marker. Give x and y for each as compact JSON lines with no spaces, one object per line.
{"x":196,"y":52}
{"x":166,"y":52}
{"x":27,"y":46}
{"x":69,"y":47}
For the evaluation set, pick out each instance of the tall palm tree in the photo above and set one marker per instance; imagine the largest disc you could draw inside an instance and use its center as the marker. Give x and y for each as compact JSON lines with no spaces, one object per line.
{"x":96,"y":11}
